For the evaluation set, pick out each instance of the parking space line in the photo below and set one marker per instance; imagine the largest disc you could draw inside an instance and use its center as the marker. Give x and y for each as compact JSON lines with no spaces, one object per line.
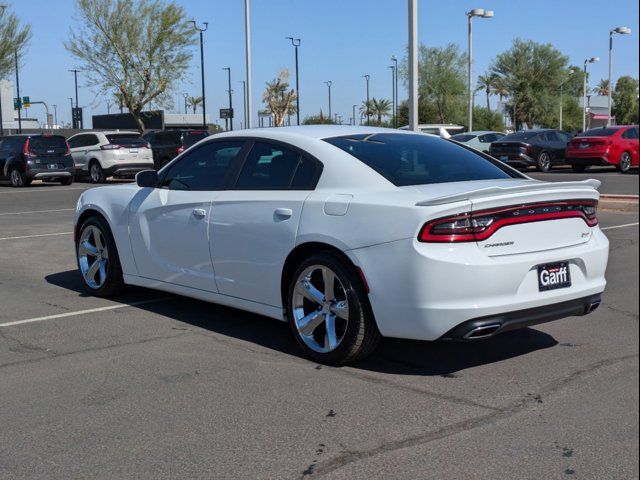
{"x":82,"y":312}
{"x":35,"y":236}
{"x":38,"y":211}
{"x":621,"y":226}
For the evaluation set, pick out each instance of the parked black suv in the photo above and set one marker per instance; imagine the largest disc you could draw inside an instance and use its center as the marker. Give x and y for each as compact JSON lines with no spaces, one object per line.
{"x":167,"y":144}
{"x":532,"y":148}
{"x":24,"y":158}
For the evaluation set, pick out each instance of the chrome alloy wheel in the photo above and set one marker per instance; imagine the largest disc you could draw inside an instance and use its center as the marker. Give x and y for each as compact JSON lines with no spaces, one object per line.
{"x":625,"y":162}
{"x":15,"y":177}
{"x":93,"y":256}
{"x":544,"y":162}
{"x":320,"y":308}
{"x":94,"y":172}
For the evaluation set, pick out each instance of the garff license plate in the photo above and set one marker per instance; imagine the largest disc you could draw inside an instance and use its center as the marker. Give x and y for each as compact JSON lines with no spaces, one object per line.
{"x":554,"y":275}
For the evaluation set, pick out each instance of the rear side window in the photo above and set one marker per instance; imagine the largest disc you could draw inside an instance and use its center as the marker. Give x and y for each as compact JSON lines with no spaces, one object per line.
{"x":193,"y":137}
{"x":599,"y":132}
{"x":205,"y":168}
{"x":632,"y":133}
{"x":419,"y":160}
{"x":462,"y":137}
{"x":519,"y":136}
{"x":44,"y":144}
{"x":273,"y":167}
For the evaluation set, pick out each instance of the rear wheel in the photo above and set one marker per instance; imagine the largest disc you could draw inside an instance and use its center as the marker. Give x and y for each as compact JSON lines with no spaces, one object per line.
{"x":329,"y":312}
{"x":98,"y":259}
{"x":96,"y":174}
{"x":18,"y":179}
{"x":625,"y":162}
{"x":578,"y":168}
{"x":544,"y":162}
{"x":66,"y":180}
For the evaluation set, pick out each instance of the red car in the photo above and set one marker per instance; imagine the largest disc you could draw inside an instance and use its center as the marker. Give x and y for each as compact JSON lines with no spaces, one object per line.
{"x":616,"y":145}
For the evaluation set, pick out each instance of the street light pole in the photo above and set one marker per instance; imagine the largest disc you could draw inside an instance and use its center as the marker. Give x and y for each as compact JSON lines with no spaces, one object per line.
{"x":394,"y":59}
{"x":244,"y":101}
{"x":201,"y":30}
{"x":74,"y":120}
{"x":482,"y":13}
{"x":584,"y":91}
{"x":228,"y":69}
{"x":18,"y":93}
{"x":393,"y":95}
{"x":367,"y":105}
{"x":71,"y":101}
{"x":55,"y":114}
{"x":329,"y":83}
{"x":413,"y":65}
{"x":354,"y":114}
{"x":247,"y":34}
{"x":621,"y":31}
{"x":296,"y":43}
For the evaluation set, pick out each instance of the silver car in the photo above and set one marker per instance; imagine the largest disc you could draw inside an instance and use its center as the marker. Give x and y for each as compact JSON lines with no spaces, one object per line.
{"x":480,"y":140}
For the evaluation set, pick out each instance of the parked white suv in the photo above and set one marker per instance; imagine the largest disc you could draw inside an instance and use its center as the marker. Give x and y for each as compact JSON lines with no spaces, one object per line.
{"x":110,"y":154}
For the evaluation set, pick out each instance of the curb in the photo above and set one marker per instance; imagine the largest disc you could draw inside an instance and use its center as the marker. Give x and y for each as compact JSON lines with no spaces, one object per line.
{"x":619,"y":203}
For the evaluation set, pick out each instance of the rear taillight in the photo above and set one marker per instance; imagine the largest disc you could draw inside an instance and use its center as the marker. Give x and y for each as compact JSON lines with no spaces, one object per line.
{"x":110,"y":146}
{"x":68,"y":152}
{"x":529,"y":149}
{"x":179,"y":150}
{"x":478,"y":226}
{"x":25,"y":150}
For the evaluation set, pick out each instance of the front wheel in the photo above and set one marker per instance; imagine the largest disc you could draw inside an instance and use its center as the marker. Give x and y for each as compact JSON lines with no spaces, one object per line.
{"x":98,"y":259}
{"x":625,"y":162}
{"x":96,"y":174}
{"x":544,"y":162}
{"x":329,"y":312}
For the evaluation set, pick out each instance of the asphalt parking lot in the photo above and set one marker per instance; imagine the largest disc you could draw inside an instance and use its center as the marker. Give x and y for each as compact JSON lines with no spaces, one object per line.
{"x":157,"y":386}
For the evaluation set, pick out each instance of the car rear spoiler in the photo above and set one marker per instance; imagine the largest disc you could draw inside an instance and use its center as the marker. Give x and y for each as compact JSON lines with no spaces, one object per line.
{"x":491,"y":191}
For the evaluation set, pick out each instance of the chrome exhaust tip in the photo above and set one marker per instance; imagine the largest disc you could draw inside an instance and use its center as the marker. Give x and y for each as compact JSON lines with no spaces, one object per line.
{"x":483,"y":331}
{"x":593,"y":306}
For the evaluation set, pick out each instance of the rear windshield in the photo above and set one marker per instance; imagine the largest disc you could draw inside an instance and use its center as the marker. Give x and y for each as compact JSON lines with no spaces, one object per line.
{"x":519,"y":136}
{"x":122,"y":137}
{"x":599,"y":132}
{"x":419,"y":159}
{"x":463,"y":137}
{"x":54,"y":142}
{"x":193,"y":137}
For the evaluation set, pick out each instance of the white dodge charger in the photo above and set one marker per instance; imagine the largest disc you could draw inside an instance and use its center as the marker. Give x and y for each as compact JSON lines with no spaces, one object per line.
{"x":350,"y":234}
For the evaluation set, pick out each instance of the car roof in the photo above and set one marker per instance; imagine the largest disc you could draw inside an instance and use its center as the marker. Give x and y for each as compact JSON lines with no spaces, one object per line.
{"x":318,"y":132}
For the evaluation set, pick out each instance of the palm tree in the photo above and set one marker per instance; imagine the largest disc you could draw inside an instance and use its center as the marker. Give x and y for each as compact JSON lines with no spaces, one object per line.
{"x":366,"y":108}
{"x":280,"y":101}
{"x":193,"y":102}
{"x":487,"y":83}
{"x":380,"y":108}
{"x":602,"y":89}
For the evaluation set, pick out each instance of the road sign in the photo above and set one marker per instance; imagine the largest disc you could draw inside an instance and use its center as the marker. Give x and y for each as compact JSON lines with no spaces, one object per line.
{"x":76,"y":117}
{"x":26,"y":102}
{"x":17,"y":103}
{"x":226,"y":113}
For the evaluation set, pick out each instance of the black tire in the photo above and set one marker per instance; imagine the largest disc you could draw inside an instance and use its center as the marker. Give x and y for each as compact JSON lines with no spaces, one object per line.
{"x":625,"y":162}
{"x":96,"y":174}
{"x":18,"y":179}
{"x":360,"y":335}
{"x":543,"y":163}
{"x":579,"y":168}
{"x":113,"y":283}
{"x":66,"y":180}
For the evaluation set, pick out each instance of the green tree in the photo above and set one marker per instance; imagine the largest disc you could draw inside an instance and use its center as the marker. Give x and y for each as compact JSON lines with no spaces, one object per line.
{"x":487,"y":84}
{"x":380,"y":108}
{"x":140,"y":48}
{"x":194,"y":102}
{"x":318,"y":120}
{"x":13,"y":38}
{"x":279,"y":99}
{"x":485,"y":119}
{"x":625,"y":101}
{"x":533,"y":73}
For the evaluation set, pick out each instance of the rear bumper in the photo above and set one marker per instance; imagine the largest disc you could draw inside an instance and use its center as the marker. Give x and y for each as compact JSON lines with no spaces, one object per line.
{"x":128,"y":169}
{"x":515,"y":160}
{"x":595,"y":160}
{"x":40,"y":174}
{"x":491,"y":325}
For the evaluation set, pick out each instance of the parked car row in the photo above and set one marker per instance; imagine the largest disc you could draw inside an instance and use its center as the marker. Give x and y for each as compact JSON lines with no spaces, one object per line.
{"x":94,"y":155}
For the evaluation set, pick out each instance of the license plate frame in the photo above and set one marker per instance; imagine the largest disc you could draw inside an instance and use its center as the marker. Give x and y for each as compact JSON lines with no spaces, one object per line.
{"x":52,"y":166}
{"x":553,"y":276}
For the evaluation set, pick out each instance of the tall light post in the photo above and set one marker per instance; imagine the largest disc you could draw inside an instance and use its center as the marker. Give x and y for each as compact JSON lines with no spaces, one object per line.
{"x":201,"y":30}
{"x":71,"y":100}
{"x":244,"y":101}
{"x":55,"y":114}
{"x":481,"y":13}
{"x":571,"y":72}
{"x":18,"y":94}
{"x":328,"y":84}
{"x":354,"y":114}
{"x":584,"y":91}
{"x":367,"y":105}
{"x":393,"y":94}
{"x":108,"y":102}
{"x":621,"y":31}
{"x":228,"y":69}
{"x":296,"y":43}
{"x":413,"y":65}
{"x":247,"y":40}
{"x":394,"y":59}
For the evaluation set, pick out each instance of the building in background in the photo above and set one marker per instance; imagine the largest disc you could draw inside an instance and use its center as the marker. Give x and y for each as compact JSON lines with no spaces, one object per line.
{"x":9,"y":115}
{"x":597,"y":111}
{"x":153,"y":120}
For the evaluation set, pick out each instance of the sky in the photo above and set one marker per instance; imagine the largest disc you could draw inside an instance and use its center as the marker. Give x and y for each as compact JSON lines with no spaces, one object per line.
{"x":342,"y":40}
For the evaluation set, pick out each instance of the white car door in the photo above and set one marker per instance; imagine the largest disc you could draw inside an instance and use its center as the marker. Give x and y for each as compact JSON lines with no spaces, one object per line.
{"x":254,"y":223}
{"x":77,"y":146}
{"x":169,"y":225}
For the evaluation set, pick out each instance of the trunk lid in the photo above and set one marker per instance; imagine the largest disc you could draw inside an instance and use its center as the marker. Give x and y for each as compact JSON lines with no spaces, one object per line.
{"x":508,"y":148}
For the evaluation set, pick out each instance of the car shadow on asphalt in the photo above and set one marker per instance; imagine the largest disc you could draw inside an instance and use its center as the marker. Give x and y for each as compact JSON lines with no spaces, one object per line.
{"x":393,"y":356}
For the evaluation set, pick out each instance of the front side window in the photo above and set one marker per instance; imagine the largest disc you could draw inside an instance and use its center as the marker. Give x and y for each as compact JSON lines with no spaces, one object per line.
{"x":205,"y":168}
{"x":632,"y":133}
{"x":407,"y":159}
{"x":77,"y":141}
{"x":273,"y":167}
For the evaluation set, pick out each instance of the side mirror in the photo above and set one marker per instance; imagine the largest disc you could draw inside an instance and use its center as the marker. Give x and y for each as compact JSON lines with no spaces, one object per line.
{"x":147,"y":179}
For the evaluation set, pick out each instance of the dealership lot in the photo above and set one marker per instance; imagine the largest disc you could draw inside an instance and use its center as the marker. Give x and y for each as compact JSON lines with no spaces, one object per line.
{"x":158,"y":386}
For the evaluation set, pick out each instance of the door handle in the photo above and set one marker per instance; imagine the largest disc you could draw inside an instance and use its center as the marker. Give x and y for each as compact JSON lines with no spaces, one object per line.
{"x":199,"y":212}
{"x":283,"y":212}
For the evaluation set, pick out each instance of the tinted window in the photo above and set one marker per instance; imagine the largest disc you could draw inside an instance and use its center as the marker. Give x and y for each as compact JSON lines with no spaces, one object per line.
{"x":418,"y":160}
{"x":463,"y":137}
{"x":564,"y":136}
{"x":122,"y":137}
{"x":13,"y":143}
{"x":519,"y":136}
{"x":205,"y":168}
{"x":632,"y":133}
{"x":599,"y":132}
{"x":274,"y":167}
{"x":45,"y":144}
{"x":193,"y":137}
{"x":77,"y":141}
{"x":487,"y":138}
